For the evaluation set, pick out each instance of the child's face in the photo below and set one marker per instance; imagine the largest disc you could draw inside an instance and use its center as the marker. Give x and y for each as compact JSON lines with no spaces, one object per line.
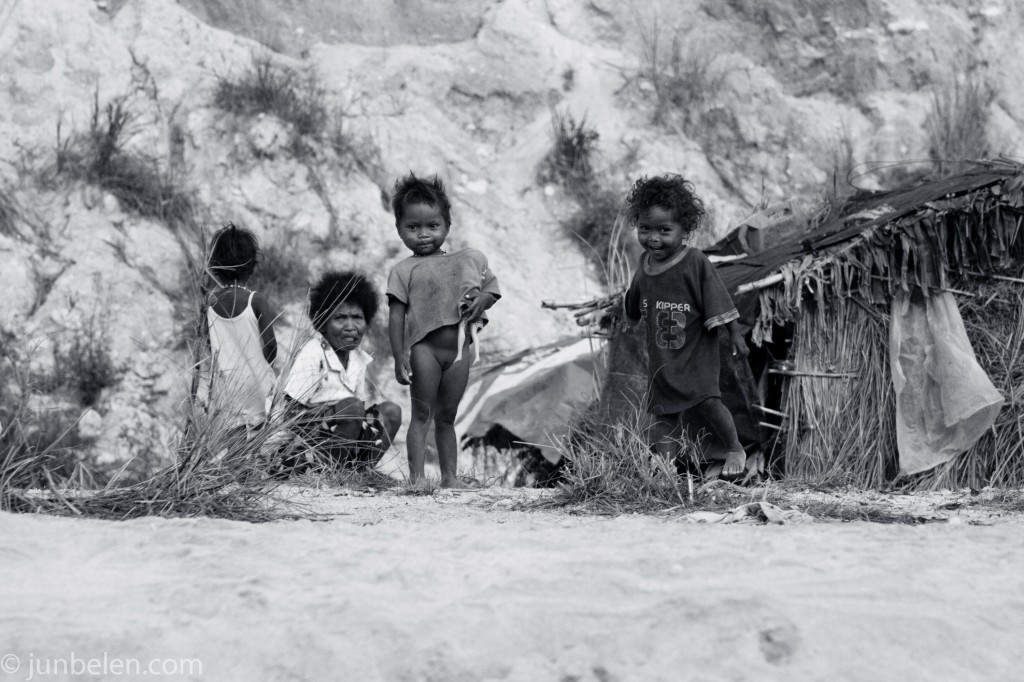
{"x":422,"y":228}
{"x":659,"y":233}
{"x":345,"y":327}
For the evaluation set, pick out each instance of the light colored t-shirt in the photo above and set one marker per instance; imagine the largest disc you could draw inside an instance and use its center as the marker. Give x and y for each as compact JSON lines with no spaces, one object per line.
{"x":433,"y":287}
{"x":317,"y":376}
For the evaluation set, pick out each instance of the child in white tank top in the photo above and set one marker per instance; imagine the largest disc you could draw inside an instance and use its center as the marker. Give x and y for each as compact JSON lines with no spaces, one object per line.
{"x":241,"y":326}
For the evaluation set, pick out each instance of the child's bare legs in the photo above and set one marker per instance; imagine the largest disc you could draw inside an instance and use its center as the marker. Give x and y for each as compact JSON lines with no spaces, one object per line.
{"x":438,"y":385}
{"x":714,"y":412}
{"x":664,"y":434}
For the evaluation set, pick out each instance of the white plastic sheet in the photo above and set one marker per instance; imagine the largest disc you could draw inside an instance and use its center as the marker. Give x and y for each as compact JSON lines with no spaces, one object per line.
{"x":944,"y":400}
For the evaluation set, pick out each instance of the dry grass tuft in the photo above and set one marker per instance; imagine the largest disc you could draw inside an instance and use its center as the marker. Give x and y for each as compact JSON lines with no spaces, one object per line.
{"x":570,"y":161}
{"x":100,"y":156}
{"x":685,"y":77}
{"x":266,"y":86}
{"x":957,"y":122}
{"x":611,"y":469}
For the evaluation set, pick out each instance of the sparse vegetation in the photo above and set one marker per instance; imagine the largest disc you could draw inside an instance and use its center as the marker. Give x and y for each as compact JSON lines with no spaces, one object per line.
{"x":100,"y":156}
{"x":83,"y":363}
{"x":571,"y":164}
{"x":298,"y":99}
{"x":594,"y":223}
{"x":841,"y":163}
{"x":355,"y":151}
{"x":268,"y":87}
{"x":39,"y":439}
{"x":283,"y":274}
{"x":684,"y":79}
{"x":957,"y":122}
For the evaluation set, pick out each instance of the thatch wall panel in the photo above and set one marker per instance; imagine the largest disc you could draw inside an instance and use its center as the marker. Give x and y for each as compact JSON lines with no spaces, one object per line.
{"x":841,"y":430}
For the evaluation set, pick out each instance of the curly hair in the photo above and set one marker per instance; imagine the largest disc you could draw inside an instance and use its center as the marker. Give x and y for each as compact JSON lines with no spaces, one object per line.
{"x":235,"y":253}
{"x":414,"y":190}
{"x":337,"y":287}
{"x":670,"y":192}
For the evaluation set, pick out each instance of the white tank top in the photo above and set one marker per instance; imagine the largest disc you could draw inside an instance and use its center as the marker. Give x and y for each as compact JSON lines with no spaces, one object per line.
{"x":242,"y":378}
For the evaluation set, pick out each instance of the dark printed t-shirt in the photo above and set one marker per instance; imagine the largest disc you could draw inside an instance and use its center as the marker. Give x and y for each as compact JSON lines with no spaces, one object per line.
{"x":680,"y":304}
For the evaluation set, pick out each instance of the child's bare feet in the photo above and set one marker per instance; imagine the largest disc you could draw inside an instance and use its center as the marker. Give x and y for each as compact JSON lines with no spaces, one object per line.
{"x":735,"y":464}
{"x":419,"y":485}
{"x":454,"y":483}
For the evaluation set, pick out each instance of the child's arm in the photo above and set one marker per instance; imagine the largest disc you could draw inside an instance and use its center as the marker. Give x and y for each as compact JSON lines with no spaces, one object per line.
{"x":396,"y":335}
{"x":265,"y":317}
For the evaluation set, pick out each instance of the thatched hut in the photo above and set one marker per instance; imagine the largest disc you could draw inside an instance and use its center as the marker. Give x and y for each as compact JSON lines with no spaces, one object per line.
{"x":819,"y":308}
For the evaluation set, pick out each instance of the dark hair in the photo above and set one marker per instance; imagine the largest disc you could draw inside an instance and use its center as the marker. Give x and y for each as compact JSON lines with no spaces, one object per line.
{"x":413,"y":190}
{"x":234,"y":254}
{"x":336,"y":287}
{"x":670,"y":192}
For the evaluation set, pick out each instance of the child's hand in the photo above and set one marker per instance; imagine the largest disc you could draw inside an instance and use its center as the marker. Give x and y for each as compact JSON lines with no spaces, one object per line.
{"x":403,"y":373}
{"x":739,"y":346}
{"x":475,"y":304}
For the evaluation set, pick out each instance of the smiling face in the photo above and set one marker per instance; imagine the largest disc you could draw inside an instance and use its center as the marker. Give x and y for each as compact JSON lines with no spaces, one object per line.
{"x":660,"y":234}
{"x":345,"y":327}
{"x":422,"y":228}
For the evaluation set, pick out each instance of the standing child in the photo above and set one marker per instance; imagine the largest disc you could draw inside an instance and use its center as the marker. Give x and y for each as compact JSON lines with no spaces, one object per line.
{"x":241,"y":326}
{"x":429,"y":294}
{"x":684,"y":305}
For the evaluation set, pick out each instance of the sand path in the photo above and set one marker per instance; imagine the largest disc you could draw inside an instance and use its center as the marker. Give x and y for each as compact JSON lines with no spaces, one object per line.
{"x":399,"y":587}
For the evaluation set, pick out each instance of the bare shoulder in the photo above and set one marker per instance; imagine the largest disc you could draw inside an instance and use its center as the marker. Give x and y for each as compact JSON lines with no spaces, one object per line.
{"x":261,"y":305}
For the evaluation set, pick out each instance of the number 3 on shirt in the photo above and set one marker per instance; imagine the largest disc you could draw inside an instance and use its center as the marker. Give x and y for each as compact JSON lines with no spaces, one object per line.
{"x":671,"y":329}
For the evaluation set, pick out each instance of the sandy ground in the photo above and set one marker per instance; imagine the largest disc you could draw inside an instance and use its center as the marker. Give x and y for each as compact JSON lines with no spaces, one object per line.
{"x":469,"y":586}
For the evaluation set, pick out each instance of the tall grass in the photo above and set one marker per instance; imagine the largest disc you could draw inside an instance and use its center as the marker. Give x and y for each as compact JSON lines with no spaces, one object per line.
{"x":217,"y":468}
{"x":39,"y":439}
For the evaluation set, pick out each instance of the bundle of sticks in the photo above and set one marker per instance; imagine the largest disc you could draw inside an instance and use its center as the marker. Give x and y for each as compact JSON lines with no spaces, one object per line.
{"x":598,"y":315}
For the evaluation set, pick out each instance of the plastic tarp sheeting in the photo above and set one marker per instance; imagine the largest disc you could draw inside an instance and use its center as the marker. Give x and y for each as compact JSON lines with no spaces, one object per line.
{"x":944,"y":400}
{"x":534,"y":399}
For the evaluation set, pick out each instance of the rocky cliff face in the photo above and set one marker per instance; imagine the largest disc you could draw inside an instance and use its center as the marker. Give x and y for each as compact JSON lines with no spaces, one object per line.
{"x":755,"y":101}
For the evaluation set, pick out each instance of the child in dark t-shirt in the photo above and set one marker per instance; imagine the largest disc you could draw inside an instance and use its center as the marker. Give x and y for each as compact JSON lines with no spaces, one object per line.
{"x":677,"y":294}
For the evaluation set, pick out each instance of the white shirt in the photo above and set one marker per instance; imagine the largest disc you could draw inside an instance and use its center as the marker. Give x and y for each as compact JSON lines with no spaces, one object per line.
{"x":317,"y":376}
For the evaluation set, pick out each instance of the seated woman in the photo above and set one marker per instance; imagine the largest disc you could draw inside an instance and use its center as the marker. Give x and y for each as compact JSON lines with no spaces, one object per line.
{"x":326,"y":390}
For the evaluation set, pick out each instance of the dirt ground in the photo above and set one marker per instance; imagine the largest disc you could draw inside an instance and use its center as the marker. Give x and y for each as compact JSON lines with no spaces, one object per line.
{"x":481,"y":585}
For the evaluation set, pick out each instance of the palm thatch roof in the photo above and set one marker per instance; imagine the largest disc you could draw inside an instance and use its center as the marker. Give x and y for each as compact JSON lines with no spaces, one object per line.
{"x":877,"y":243}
